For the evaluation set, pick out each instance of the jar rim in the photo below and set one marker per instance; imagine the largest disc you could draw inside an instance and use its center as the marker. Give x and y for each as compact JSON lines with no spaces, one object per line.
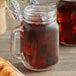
{"x":40,"y":13}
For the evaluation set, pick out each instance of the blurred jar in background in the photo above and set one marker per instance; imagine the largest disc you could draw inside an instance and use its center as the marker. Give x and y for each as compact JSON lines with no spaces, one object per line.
{"x":66,"y":17}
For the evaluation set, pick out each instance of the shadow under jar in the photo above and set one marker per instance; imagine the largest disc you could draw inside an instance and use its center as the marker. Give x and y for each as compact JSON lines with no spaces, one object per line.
{"x":39,"y":37}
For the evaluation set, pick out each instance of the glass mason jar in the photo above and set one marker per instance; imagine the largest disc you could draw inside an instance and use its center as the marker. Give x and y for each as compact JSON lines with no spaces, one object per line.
{"x":39,"y":38}
{"x":66,"y":17}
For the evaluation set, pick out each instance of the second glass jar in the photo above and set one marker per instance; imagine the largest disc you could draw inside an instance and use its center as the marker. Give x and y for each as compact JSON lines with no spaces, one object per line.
{"x":66,"y":16}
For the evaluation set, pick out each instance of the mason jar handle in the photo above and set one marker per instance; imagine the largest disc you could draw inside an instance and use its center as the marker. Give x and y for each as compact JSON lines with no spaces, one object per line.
{"x":13,"y":41}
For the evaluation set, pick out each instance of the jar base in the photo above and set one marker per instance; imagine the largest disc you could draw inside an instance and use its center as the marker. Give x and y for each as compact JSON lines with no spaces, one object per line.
{"x":34,"y":69}
{"x":66,"y":44}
